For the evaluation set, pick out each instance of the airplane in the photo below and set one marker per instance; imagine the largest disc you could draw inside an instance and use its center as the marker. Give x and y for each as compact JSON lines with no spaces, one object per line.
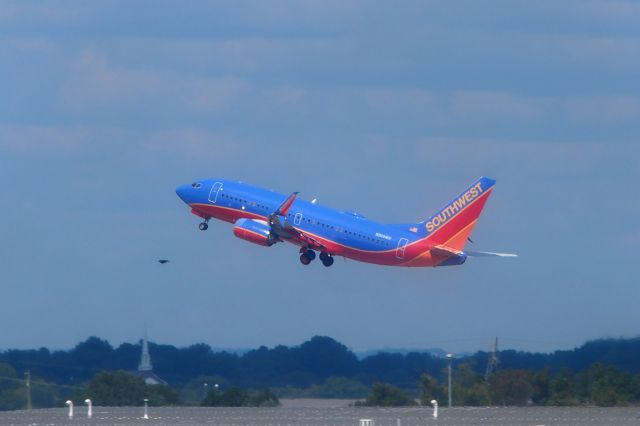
{"x":264,"y":217}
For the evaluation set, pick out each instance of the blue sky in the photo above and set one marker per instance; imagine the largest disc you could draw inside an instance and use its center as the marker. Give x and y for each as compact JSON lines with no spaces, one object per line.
{"x":389,"y":109}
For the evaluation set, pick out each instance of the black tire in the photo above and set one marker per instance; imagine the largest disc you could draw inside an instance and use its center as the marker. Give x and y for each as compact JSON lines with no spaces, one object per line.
{"x":327,"y":260}
{"x":203,"y":226}
{"x":311,"y":254}
{"x":305,"y":259}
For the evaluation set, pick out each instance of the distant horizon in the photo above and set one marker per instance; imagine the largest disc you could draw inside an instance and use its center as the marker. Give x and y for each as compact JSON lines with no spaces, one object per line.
{"x":359,"y":352}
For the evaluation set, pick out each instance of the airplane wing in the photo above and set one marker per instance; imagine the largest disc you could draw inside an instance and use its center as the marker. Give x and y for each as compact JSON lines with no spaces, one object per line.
{"x":284,"y":230}
{"x":308,"y":241}
{"x":278,"y":219}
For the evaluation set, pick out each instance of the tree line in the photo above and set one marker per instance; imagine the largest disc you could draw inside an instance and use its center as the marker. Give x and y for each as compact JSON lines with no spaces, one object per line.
{"x":602,"y":372}
{"x":598,"y":385}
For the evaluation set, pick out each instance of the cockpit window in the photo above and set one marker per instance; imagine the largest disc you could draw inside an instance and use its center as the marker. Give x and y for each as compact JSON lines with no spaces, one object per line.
{"x":196,"y":185}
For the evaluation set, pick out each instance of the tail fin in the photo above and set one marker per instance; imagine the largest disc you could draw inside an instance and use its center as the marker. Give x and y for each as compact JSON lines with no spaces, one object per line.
{"x":452,"y":225}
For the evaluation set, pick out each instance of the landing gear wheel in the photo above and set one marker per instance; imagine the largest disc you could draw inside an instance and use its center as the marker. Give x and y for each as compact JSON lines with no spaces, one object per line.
{"x":311,"y":254}
{"x":326,"y":259}
{"x":305,"y":259}
{"x":203,"y":226}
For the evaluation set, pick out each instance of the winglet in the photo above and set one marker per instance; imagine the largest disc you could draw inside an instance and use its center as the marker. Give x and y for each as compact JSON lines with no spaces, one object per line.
{"x":284,"y":208}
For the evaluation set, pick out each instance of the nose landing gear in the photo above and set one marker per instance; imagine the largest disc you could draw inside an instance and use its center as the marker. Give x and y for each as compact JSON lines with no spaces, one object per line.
{"x":204,"y":225}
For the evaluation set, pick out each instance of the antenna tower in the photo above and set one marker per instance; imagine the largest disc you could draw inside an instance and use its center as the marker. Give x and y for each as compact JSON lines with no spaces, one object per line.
{"x":492,"y":362}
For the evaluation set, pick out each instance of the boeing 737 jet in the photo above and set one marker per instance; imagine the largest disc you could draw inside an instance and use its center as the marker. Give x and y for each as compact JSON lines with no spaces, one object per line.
{"x":265,"y":217}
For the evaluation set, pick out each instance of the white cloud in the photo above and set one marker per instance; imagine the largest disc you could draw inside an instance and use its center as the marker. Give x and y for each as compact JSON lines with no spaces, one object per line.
{"x":94,"y":82}
{"x":43,"y":12}
{"x":285,"y":95}
{"x":37,"y":45}
{"x":193,"y":143}
{"x":517,"y":158}
{"x":210,"y":95}
{"x":472,"y":107}
{"x":32,"y":138}
{"x":499,"y":110}
{"x":606,"y":110}
{"x":615,"y":53}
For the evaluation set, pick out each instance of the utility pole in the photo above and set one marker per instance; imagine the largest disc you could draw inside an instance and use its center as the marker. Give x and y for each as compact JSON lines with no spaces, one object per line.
{"x":28,"y":383}
{"x":450,"y":358}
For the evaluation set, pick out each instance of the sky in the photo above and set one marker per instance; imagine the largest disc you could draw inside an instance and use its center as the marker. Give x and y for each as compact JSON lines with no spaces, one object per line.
{"x":387,"y":108}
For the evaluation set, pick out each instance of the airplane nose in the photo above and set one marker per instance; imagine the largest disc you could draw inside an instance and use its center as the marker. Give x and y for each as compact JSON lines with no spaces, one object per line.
{"x":182,"y":192}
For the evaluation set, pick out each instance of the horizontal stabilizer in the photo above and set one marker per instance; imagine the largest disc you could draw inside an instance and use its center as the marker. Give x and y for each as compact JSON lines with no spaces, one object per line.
{"x":488,"y":254}
{"x":445,"y":251}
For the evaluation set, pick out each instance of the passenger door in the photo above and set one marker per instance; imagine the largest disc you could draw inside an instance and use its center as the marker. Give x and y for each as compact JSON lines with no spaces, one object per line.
{"x":402,"y":245}
{"x":215,"y":190}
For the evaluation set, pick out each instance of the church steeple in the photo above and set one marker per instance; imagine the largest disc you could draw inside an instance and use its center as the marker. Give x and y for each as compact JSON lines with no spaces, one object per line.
{"x":145,"y":369}
{"x":145,"y":359}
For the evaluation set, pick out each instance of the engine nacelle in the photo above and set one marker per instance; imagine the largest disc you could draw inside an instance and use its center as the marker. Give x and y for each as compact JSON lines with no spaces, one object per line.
{"x":254,"y":231}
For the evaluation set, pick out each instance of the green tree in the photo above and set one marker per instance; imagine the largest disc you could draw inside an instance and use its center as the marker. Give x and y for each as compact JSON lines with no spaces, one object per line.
{"x":213,"y":399}
{"x":120,"y":388}
{"x":264,"y":398}
{"x":562,"y":389}
{"x":510,"y":387}
{"x":197,"y":389}
{"x":337,"y":387}
{"x":476,"y":395}
{"x":237,"y":397}
{"x":541,"y":382}
{"x":430,"y":389}
{"x":605,"y":386}
{"x":234,"y":397}
{"x":10,"y":397}
{"x":634,"y":391}
{"x":469,"y":388}
{"x":116,"y":389}
{"x":43,"y":394}
{"x":162,"y":395}
{"x":386,"y":395}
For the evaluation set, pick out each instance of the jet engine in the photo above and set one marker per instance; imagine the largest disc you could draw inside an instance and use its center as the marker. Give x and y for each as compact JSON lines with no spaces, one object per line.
{"x":257,"y":232}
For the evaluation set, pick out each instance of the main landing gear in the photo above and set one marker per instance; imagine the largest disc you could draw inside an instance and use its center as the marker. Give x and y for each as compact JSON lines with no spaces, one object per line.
{"x":327,"y":259}
{"x":204,"y":225}
{"x":308,"y":255}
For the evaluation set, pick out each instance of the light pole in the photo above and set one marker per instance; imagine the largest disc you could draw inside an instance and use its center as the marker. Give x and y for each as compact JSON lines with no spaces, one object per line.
{"x":146,"y":409}
{"x":450,"y":359}
{"x":70,"y":404}
{"x":28,"y":383}
{"x":89,"y":407}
